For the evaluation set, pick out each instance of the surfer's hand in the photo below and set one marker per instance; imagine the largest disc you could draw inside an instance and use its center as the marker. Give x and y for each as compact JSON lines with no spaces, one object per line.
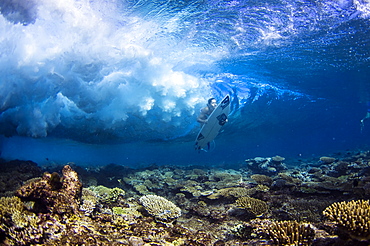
{"x":223,"y":122}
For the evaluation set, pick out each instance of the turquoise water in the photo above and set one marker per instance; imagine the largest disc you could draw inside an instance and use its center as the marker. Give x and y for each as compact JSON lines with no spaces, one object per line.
{"x":96,"y":82}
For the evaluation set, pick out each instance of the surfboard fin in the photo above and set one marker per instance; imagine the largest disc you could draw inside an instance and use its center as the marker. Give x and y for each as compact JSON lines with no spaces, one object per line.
{"x":209,"y":149}
{"x":196,"y":147}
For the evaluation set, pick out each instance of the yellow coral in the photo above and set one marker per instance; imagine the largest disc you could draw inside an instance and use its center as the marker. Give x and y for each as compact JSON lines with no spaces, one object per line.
{"x":13,"y":213}
{"x":8,"y":205}
{"x":352,"y":217}
{"x":130,"y":211}
{"x":253,"y":205}
{"x":262,"y":188}
{"x":289,"y":233}
{"x":107,"y":195}
{"x":160,"y":207}
{"x":142,"y":189}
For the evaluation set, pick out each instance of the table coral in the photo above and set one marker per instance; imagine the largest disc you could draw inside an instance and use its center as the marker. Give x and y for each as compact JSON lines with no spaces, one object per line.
{"x":327,"y":160}
{"x":234,"y":192}
{"x":262,"y":179}
{"x":352,"y":217}
{"x":278,"y":159}
{"x":160,"y":208}
{"x":253,"y":205}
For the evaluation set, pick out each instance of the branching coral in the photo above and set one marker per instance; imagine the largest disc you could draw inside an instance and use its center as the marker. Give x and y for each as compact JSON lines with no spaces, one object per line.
{"x":160,"y":207}
{"x":253,"y":205}
{"x":352,"y":217}
{"x":289,"y":233}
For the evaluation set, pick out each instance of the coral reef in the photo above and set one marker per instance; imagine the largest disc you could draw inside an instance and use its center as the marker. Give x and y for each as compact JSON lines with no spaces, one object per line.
{"x":267,"y":204}
{"x":104,"y":223}
{"x":352,"y":217}
{"x":160,"y":207}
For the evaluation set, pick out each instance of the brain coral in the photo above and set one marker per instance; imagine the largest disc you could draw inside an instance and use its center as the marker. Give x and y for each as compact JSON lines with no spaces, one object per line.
{"x":160,"y":207}
{"x":352,"y":217}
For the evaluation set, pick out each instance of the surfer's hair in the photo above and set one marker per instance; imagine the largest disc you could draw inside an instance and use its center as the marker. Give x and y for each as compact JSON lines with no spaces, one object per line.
{"x":210,"y":100}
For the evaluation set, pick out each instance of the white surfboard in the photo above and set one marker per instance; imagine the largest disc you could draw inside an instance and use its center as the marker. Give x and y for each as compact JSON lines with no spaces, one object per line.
{"x":214,"y":123}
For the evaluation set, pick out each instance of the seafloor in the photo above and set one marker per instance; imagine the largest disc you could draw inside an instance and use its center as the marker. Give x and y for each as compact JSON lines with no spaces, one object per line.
{"x":261,"y":201}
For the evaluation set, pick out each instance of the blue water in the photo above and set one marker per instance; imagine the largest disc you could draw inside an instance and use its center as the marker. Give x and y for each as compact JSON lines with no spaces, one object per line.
{"x":98,"y":82}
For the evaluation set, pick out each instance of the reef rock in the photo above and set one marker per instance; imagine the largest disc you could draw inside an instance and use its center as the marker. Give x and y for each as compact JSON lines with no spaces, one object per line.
{"x":53,"y":193}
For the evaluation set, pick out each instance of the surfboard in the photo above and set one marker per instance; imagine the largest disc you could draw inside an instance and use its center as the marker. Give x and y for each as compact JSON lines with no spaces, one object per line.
{"x":216,"y":120}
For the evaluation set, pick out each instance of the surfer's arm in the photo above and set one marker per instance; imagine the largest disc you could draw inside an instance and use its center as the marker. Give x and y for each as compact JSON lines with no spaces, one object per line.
{"x":202,"y":118}
{"x":366,"y":117}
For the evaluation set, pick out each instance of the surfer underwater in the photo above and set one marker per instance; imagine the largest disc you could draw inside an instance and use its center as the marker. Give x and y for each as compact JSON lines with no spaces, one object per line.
{"x":206,"y":111}
{"x":209,"y":132}
{"x":367,"y":116}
